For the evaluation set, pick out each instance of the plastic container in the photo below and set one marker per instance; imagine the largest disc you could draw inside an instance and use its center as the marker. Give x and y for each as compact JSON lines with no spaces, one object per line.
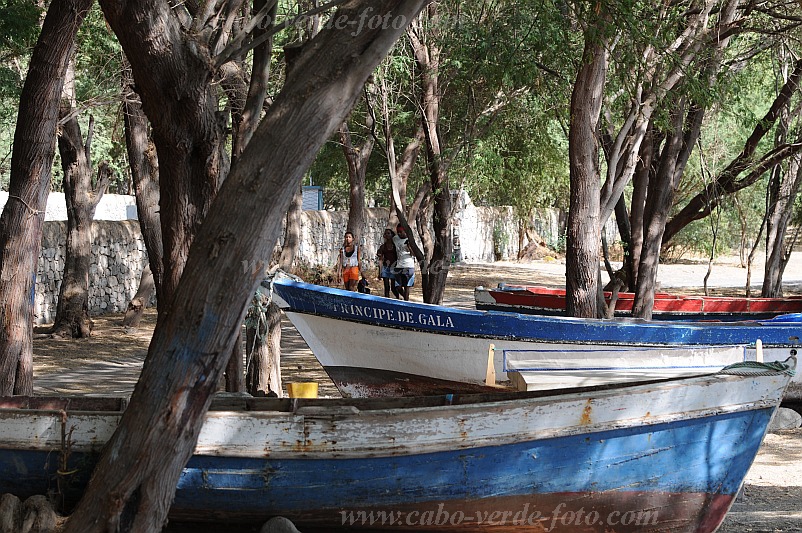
{"x":305,"y":389}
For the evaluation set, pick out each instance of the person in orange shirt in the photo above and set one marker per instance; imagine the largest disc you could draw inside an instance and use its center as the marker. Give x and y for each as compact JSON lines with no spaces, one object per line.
{"x":349,"y":262}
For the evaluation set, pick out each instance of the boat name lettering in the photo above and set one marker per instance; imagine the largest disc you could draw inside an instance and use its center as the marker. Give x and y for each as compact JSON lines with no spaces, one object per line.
{"x":391,"y":315}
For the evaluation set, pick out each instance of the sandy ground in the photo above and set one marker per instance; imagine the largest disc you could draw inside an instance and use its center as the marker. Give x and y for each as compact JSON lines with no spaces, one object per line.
{"x":109,"y":363}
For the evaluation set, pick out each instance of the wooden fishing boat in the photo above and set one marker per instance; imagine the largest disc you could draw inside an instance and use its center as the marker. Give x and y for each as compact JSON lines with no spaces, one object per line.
{"x":666,"y":456}
{"x":550,"y":301}
{"x":374,"y":346}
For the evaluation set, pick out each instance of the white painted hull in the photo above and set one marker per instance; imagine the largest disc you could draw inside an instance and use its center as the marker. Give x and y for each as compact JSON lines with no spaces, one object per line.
{"x":373,"y":346}
{"x":342,"y":343}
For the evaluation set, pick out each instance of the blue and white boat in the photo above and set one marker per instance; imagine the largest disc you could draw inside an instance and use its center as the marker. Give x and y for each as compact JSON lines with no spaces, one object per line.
{"x":372,"y":346}
{"x":667,"y":456}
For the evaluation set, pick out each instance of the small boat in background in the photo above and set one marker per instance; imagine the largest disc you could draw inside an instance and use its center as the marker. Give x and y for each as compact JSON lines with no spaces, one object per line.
{"x":372,"y":346}
{"x":667,"y":456}
{"x":549,"y":301}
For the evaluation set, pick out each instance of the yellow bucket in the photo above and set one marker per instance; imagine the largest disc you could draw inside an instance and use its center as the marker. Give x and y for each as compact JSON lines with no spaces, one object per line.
{"x":307,"y":389}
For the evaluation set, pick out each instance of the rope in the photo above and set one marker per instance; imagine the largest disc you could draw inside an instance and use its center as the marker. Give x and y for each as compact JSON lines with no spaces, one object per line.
{"x":256,"y":317}
{"x":33,"y":211}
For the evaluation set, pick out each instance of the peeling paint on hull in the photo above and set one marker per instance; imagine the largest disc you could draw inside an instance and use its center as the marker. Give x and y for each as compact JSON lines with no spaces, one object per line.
{"x":677,"y":450}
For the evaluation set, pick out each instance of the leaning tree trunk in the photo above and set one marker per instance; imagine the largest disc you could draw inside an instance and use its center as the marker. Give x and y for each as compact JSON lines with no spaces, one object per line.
{"x":584,"y":226}
{"x":23,"y":216}
{"x":144,"y":165}
{"x":138,"y":304}
{"x":730,"y":179}
{"x":72,"y":311}
{"x":136,"y":476}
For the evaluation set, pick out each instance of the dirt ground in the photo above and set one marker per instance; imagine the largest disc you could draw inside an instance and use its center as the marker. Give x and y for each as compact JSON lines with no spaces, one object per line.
{"x":109,"y":363}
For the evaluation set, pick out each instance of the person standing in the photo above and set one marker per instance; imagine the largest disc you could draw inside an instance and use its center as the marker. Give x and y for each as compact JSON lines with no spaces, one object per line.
{"x":387,"y":258}
{"x":349,"y":262}
{"x":404,"y":270}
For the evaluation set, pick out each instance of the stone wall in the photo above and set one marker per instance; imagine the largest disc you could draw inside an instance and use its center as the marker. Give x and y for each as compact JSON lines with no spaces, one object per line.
{"x":484,"y":234}
{"x":322,"y":235}
{"x":118,"y":257}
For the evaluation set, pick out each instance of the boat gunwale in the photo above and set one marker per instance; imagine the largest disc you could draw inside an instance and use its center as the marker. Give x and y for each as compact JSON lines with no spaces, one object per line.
{"x":350,"y":296}
{"x":605,"y":343}
{"x":316,"y":429}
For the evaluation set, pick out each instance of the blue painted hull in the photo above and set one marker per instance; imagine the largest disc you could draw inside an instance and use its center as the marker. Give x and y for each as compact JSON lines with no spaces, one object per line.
{"x":680,"y":476}
{"x":300,"y":297}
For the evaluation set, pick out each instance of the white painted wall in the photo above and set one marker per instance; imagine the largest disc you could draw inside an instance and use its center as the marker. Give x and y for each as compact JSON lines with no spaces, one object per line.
{"x":111,"y":207}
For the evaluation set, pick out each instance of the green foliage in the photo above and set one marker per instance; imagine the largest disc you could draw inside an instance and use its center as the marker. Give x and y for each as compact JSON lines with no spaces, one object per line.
{"x":19,"y":28}
{"x":506,"y":78}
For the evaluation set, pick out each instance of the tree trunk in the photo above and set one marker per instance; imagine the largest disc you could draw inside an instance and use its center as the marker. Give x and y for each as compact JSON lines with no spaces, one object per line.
{"x":357,"y":164}
{"x":24,"y":214}
{"x":264,"y":357}
{"x":584,"y":226}
{"x":135,"y":479}
{"x":145,"y":174}
{"x":263,"y":344}
{"x":434,"y":268}
{"x":72,"y":311}
{"x":784,"y":188}
{"x":235,"y":369}
{"x":138,"y":304}
{"x":176,"y":86}
{"x":659,"y":199}
{"x":640,"y":184}
{"x":399,"y":170}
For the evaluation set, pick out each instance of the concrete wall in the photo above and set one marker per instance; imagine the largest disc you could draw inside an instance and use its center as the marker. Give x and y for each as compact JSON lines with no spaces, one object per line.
{"x":484,"y":235}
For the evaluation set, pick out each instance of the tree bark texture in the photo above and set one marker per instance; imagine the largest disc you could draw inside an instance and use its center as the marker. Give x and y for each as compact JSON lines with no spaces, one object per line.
{"x":144,"y":164}
{"x":263,"y":373}
{"x":434,"y":269}
{"x":357,"y":163}
{"x":138,"y":304}
{"x":584,"y":225}
{"x":263,"y":344}
{"x":135,"y":479}
{"x":81,"y":197}
{"x":175,"y":81}
{"x":659,"y":198}
{"x":24,"y":214}
{"x":783,"y":190}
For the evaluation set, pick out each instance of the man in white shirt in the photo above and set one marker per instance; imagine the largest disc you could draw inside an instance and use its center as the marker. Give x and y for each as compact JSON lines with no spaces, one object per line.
{"x":405,"y":264}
